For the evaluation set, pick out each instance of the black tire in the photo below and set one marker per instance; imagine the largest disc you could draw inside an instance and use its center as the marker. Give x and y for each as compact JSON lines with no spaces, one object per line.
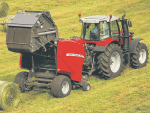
{"x":86,"y":87}
{"x":105,"y":62}
{"x":20,"y":79}
{"x":140,"y":57}
{"x":61,"y":86}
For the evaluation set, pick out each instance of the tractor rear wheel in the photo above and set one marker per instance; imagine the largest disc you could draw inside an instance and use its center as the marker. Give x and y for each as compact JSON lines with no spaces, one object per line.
{"x":110,"y":63}
{"x":140,"y":57}
{"x":61,"y":86}
{"x":20,"y":79}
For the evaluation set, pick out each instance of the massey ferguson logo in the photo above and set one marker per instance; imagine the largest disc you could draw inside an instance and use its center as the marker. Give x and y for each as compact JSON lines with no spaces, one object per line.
{"x":76,"y":55}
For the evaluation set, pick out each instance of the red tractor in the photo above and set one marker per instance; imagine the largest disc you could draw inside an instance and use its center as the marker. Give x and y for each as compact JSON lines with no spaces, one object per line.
{"x":105,"y":47}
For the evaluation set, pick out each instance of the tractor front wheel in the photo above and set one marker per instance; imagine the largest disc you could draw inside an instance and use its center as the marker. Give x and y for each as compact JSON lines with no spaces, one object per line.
{"x":61,"y":86}
{"x":110,"y":63}
{"x":139,"y":57}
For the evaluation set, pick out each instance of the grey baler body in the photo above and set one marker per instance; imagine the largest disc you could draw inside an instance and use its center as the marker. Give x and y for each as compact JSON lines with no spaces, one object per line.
{"x":30,"y":30}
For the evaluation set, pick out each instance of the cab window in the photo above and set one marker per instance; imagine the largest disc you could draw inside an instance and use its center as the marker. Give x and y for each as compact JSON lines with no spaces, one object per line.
{"x":104,"y":30}
{"x":90,"y":31}
{"x":114,"y":30}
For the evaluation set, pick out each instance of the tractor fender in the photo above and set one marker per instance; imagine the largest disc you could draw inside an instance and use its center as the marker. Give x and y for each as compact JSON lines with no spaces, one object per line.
{"x":101,"y":45}
{"x":133,"y":44}
{"x":99,"y":48}
{"x":102,"y":48}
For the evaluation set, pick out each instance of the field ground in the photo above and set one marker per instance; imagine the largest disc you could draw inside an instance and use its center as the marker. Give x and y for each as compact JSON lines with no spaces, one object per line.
{"x":141,"y":108}
{"x":129,"y":92}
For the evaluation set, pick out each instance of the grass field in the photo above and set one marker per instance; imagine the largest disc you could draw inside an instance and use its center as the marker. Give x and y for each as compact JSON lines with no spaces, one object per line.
{"x":128,"y":93}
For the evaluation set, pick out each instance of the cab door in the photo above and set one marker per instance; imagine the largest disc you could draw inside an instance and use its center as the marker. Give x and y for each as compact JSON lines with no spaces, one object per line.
{"x":115,"y":30}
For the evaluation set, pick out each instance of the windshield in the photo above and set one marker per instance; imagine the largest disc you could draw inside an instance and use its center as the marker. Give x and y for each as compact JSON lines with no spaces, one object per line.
{"x":89,"y":31}
{"x":95,"y":31}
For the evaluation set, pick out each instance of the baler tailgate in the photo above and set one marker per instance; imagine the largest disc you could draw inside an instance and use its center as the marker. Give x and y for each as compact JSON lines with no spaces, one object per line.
{"x":18,"y":39}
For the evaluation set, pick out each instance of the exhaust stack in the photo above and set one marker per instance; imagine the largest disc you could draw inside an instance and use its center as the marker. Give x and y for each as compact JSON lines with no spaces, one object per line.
{"x":125,"y":34}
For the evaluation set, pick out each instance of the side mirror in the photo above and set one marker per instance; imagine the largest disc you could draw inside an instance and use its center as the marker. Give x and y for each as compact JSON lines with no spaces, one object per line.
{"x":123,"y":16}
{"x":129,"y":23}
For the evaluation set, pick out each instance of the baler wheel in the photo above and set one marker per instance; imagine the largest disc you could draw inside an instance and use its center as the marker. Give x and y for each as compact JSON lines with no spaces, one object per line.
{"x":61,"y":86}
{"x":20,"y":79}
{"x":86,"y":87}
{"x":110,"y":63}
{"x":140,"y":57}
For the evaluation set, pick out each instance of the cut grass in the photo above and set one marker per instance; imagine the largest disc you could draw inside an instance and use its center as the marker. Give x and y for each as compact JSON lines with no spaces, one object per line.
{"x":124,"y":93}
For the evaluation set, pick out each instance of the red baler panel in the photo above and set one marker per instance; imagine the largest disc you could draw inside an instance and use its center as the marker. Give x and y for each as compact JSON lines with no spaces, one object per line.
{"x":70,"y":58}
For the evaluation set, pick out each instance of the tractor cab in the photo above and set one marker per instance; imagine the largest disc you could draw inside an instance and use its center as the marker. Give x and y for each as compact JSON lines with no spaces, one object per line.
{"x":99,"y":27}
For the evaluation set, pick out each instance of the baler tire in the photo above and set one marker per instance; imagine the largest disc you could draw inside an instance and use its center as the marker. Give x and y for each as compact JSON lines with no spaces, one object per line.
{"x":61,"y":86}
{"x":140,"y":57}
{"x":86,"y":87}
{"x":105,"y":62}
{"x":20,"y":80}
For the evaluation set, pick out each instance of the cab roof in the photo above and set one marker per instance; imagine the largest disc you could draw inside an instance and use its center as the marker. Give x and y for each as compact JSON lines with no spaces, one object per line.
{"x":98,"y":18}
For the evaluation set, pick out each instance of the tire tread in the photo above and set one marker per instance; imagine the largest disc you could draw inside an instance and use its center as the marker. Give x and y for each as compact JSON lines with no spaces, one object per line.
{"x":103,"y":61}
{"x":56,"y":86}
{"x":134,"y":63}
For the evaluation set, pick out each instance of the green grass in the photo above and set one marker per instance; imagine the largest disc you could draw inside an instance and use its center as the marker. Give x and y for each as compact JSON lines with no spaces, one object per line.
{"x":126,"y":93}
{"x":141,"y":108}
